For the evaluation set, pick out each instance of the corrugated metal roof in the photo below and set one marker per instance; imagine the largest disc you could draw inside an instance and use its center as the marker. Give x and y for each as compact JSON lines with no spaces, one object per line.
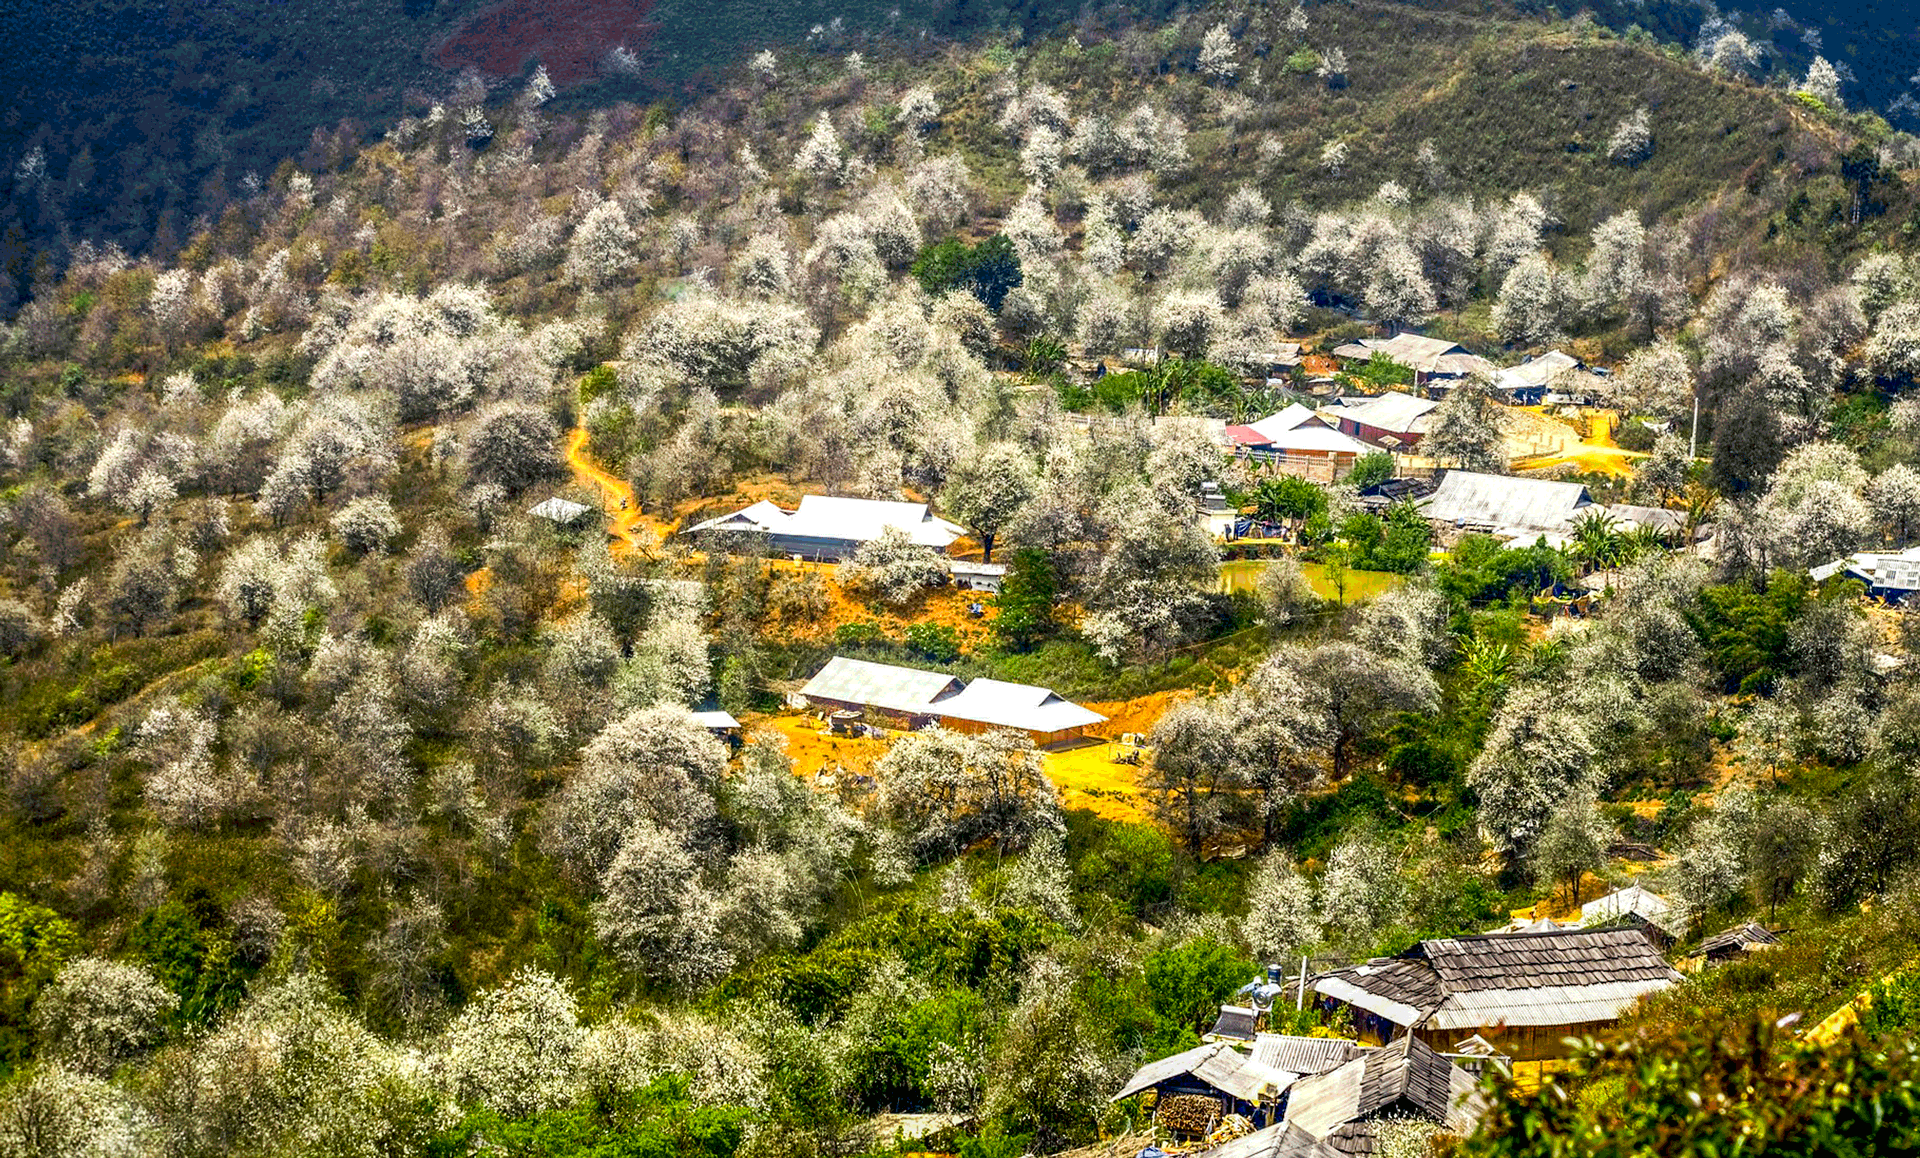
{"x":1543,"y":1005}
{"x":840,"y":519}
{"x":1342,"y":989}
{"x":1495,"y":500}
{"x":880,"y":685}
{"x":1887,"y":571}
{"x":1167,"y":1068}
{"x":1632,"y":899}
{"x":1318,"y":439}
{"x":1303,"y":1055}
{"x":1292,"y":418}
{"x":1020,"y":706}
{"x":1394,"y":412}
{"x":559,"y":510}
{"x":715,"y":720}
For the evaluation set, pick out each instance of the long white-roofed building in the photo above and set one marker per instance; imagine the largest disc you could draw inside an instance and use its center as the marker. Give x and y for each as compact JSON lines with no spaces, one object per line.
{"x":910,"y":698}
{"x":829,"y":528}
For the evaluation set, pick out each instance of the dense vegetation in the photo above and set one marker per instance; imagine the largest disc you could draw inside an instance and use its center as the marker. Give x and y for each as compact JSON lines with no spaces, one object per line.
{"x":351,"y":809}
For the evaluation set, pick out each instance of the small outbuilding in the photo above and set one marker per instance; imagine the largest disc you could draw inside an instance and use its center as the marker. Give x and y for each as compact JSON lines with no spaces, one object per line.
{"x":1889,"y":575}
{"x":1205,"y":1084}
{"x":971,"y":576}
{"x":1732,"y":944}
{"x":559,"y":511}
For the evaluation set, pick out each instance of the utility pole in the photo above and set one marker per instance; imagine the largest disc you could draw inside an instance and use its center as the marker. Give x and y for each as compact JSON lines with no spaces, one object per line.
{"x":1300,"y":998}
{"x":1693,"y":436}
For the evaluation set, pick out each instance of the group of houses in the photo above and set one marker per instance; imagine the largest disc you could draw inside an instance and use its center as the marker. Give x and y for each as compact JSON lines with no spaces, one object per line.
{"x":1428,"y":1025}
{"x":848,"y":690}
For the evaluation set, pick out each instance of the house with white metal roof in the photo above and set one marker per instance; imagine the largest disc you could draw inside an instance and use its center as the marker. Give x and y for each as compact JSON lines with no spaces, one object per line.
{"x":985,"y":704}
{"x":830,"y":528}
{"x":1299,"y":441}
{"x":912,"y":698}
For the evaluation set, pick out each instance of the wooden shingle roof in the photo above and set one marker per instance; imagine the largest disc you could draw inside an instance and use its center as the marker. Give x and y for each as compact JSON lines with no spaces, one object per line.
{"x":1737,"y":937}
{"x":1563,"y":957}
{"x":1406,"y":1077}
{"x":1560,"y":977}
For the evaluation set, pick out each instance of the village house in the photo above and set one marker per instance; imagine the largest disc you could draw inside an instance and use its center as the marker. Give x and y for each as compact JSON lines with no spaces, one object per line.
{"x":1523,"y":993}
{"x":1432,"y":360}
{"x":1341,"y":1112}
{"x":910,"y":698}
{"x":828,"y":528}
{"x":1504,"y":506}
{"x":1300,"y":442}
{"x":1197,"y":1088}
{"x":971,"y":576}
{"x":1551,"y":379}
{"x":1891,"y":576}
{"x":1391,"y":421}
{"x":1252,"y":1084}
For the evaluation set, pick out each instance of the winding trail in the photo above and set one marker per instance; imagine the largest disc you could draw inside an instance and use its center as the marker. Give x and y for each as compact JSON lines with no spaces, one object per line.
{"x":623,"y":512}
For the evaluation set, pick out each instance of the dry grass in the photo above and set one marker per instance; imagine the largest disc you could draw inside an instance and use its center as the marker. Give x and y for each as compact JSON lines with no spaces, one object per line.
{"x":814,"y":752}
{"x":1088,"y":776}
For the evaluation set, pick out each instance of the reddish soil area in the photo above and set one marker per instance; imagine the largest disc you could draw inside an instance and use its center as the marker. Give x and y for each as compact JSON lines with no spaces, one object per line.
{"x":570,"y":37}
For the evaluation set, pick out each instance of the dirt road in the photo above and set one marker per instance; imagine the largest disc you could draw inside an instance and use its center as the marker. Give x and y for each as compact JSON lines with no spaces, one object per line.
{"x":623,"y":512}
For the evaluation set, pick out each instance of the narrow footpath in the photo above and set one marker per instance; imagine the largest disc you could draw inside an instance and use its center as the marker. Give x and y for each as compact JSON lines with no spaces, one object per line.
{"x":623,"y":512}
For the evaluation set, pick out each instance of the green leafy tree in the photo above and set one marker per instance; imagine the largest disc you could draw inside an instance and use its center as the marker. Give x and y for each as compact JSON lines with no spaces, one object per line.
{"x":988,"y":271}
{"x":1370,"y":470}
{"x":1024,"y":611}
{"x":1695,"y":1085}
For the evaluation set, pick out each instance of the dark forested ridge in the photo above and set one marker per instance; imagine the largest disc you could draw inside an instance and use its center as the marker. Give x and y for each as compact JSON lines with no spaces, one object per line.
{"x":127,"y":121}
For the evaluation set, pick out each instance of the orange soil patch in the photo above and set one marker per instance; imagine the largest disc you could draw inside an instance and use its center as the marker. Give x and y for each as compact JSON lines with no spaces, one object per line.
{"x":478,"y":583}
{"x":813,"y":753}
{"x":1091,"y":778}
{"x":1560,"y":906}
{"x":570,"y":37}
{"x":1088,"y":777}
{"x":1596,"y":454}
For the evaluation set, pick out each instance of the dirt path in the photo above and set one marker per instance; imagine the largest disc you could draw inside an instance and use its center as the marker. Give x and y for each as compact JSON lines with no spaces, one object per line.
{"x":623,"y":511}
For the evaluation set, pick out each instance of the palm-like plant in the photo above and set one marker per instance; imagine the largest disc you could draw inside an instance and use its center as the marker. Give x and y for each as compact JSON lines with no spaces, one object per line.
{"x":1596,"y":539}
{"x":1486,"y":665}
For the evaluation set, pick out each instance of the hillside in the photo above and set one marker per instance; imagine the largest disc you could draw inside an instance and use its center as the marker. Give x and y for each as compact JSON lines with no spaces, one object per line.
{"x":361,"y":799}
